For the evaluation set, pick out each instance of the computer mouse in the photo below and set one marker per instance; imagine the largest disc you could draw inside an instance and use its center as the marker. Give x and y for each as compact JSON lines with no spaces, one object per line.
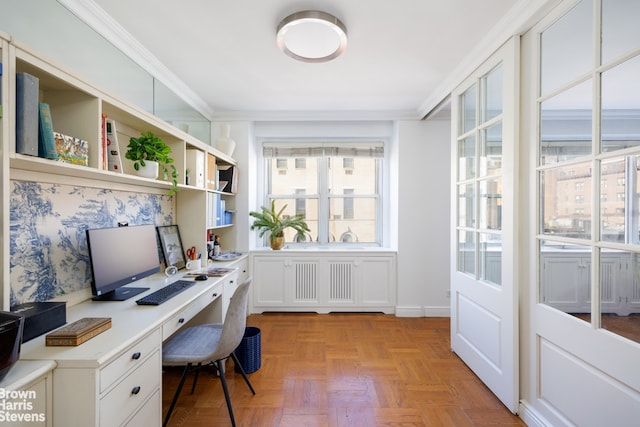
{"x":202,"y":277}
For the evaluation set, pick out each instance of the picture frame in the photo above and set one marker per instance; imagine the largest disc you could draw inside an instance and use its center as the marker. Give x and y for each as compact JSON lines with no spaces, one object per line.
{"x":172,"y":249}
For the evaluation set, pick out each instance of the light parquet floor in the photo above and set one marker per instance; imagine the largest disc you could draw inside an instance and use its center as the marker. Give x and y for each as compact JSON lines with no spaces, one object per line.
{"x":345,"y":370}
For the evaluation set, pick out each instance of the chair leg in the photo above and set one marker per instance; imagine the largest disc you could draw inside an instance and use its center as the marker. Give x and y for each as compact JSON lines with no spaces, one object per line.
{"x":223,"y":380}
{"x":175,"y":396}
{"x":244,"y":375}
{"x":195,"y":378}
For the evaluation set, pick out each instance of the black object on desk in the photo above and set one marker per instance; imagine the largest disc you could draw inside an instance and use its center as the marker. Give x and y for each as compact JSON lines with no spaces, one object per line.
{"x":11,"y":325}
{"x":40,"y":317}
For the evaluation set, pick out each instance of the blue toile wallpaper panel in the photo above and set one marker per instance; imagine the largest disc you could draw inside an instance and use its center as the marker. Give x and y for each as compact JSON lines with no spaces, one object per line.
{"x":48,"y":244}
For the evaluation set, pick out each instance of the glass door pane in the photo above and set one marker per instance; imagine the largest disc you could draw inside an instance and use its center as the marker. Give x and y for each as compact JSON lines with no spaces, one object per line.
{"x":491,"y":204}
{"x":490,"y":254}
{"x":620,"y":29}
{"x":620,"y":107}
{"x":467,"y":158}
{"x":467,"y":252}
{"x":492,"y":84}
{"x":468,"y":105}
{"x":467,"y":205}
{"x":491,"y":150}
{"x":570,"y":37}
{"x":565,"y":125}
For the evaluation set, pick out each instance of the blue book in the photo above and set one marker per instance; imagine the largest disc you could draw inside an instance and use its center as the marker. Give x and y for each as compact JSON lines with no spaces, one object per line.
{"x":46,"y":141}
{"x":27,"y":87}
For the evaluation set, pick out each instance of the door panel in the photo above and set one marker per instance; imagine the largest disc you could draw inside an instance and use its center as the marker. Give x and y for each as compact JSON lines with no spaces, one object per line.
{"x":484,"y":326}
{"x":479,"y":328}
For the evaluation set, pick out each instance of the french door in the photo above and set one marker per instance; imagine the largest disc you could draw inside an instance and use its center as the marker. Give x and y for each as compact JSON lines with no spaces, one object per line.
{"x":484,"y":309}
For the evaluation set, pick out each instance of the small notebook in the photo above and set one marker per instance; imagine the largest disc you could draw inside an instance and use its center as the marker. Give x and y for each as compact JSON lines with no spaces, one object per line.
{"x":79,"y":331}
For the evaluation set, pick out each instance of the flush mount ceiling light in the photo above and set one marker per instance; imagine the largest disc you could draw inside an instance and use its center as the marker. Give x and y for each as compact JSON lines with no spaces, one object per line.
{"x":312,"y":36}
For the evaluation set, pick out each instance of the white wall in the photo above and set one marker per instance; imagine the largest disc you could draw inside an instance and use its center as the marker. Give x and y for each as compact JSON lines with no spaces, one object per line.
{"x":423,"y":217}
{"x":241,"y":133}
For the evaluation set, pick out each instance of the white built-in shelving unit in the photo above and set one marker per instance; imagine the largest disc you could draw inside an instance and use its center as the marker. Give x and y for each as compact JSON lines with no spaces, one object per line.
{"x":77,"y":108}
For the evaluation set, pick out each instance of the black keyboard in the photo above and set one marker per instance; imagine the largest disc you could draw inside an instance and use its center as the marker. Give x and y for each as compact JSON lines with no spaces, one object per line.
{"x":166,"y":293}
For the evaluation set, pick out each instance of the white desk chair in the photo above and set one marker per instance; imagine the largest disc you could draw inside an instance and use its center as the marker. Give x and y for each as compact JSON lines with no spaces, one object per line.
{"x":210,"y":344}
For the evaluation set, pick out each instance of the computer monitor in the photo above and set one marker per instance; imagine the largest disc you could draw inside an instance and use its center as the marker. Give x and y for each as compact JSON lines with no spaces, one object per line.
{"x":120,"y":256}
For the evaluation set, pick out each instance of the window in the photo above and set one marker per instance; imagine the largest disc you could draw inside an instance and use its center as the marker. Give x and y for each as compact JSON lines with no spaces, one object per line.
{"x":347,"y":207}
{"x":347,"y":163}
{"x":300,"y":202}
{"x":339,"y":207}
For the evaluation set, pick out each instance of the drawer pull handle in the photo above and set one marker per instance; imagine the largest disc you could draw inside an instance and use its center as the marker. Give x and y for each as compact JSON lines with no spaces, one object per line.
{"x":181,"y":320}
{"x":215,"y":294}
{"x":136,"y":355}
{"x":135,"y":390}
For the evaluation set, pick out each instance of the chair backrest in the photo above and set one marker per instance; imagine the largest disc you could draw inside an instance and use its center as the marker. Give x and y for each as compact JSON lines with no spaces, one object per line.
{"x":235,"y":321}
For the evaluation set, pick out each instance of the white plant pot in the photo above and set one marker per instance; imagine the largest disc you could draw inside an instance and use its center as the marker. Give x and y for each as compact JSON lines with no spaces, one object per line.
{"x":150,"y":170}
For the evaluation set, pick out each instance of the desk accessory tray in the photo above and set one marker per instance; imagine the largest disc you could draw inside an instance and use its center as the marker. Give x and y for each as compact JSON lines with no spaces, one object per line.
{"x":79,"y":331}
{"x":213,"y":272}
{"x":227,"y":256}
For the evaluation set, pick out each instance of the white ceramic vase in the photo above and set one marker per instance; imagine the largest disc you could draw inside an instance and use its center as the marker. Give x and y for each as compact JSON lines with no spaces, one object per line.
{"x":150,"y":170}
{"x":224,"y":142}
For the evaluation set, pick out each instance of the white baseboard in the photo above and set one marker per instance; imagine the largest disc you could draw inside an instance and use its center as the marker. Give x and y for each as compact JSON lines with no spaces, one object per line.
{"x":415,"y":311}
{"x":409,"y":312}
{"x":530,"y":416}
{"x":437,"y":311}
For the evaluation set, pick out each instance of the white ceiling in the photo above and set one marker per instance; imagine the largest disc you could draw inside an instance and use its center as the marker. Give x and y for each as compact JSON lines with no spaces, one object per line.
{"x":402,"y":57}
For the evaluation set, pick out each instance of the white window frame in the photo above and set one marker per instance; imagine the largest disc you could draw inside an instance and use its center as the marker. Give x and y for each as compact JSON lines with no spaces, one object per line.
{"x":382,"y":211}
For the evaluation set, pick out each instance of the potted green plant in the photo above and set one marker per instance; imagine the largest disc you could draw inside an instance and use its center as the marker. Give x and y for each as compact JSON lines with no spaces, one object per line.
{"x":272,"y":221}
{"x":149,"y":153}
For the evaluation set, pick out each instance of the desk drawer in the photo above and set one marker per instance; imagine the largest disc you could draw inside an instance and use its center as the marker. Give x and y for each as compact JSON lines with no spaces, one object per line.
{"x":150,"y":414}
{"x":130,"y":359}
{"x":183,"y":316}
{"x":126,"y":397}
{"x":243,"y":270}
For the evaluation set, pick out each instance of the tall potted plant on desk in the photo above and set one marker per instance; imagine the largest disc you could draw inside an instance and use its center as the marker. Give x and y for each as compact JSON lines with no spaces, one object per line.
{"x":149,"y":153}
{"x":272,"y":221}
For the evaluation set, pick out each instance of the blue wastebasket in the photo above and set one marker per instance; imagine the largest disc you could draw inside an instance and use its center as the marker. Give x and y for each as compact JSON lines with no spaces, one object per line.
{"x":249,"y":351}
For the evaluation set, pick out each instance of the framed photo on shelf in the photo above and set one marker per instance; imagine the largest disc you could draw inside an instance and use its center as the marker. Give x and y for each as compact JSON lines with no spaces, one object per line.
{"x":171,"y":243}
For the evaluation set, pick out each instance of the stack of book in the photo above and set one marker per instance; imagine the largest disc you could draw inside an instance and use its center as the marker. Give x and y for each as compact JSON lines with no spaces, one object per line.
{"x":35,"y":135}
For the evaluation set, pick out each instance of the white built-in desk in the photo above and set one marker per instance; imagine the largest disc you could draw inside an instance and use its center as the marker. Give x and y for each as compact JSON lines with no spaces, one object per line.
{"x":115,"y":378}
{"x":25,"y":394}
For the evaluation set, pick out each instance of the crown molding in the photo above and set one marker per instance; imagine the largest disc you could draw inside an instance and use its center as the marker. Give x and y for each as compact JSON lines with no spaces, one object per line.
{"x":335,"y":116}
{"x":101,"y":22}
